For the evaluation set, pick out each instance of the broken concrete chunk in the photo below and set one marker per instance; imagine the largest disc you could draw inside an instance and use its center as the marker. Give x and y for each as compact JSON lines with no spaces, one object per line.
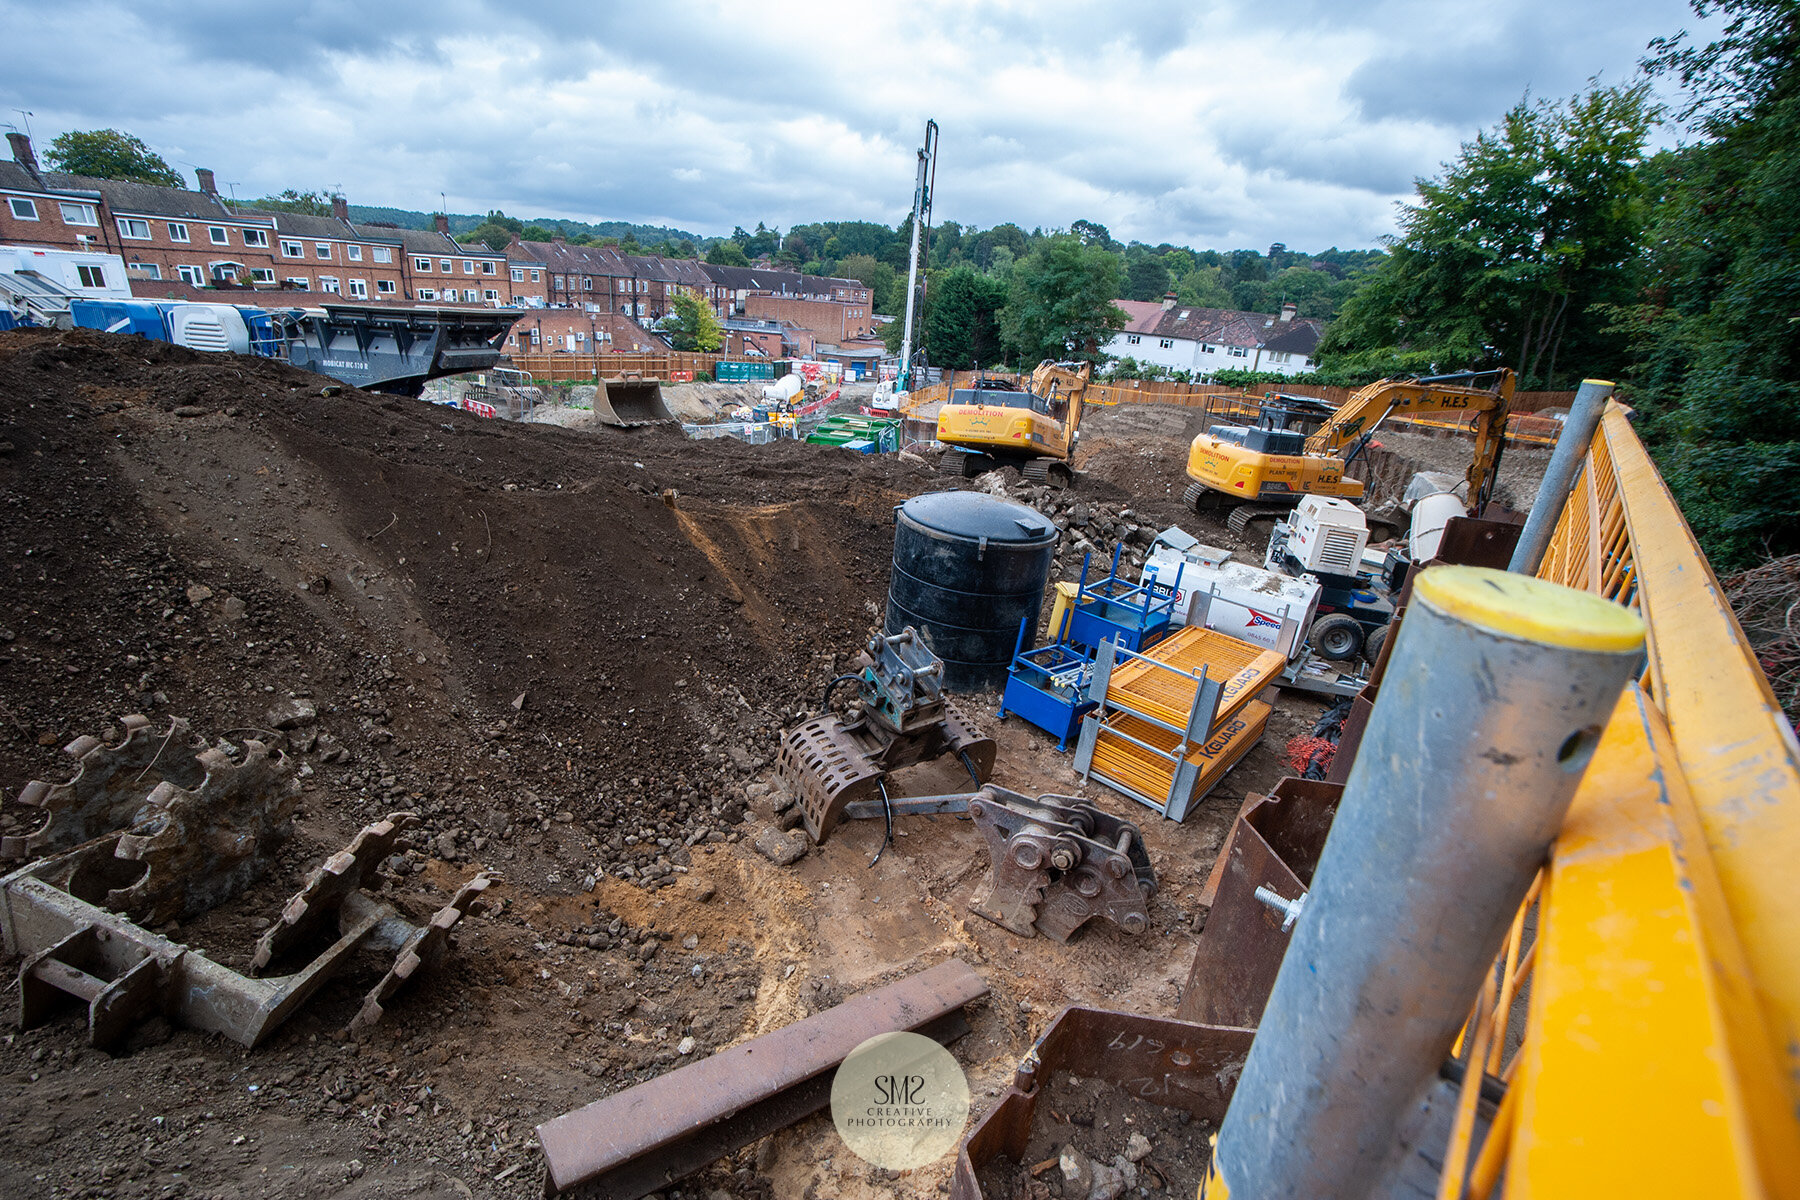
{"x":296,"y":713}
{"x":782,"y":849}
{"x":198,"y":593}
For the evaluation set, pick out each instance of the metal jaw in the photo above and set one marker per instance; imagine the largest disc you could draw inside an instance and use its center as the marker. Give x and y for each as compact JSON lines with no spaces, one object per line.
{"x":1057,"y":862}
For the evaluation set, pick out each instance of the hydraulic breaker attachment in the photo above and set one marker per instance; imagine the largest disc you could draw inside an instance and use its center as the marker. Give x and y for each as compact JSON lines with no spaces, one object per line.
{"x":1058,"y":861}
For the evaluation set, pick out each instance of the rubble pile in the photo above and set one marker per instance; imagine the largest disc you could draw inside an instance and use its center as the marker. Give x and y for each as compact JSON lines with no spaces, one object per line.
{"x":1090,"y":527}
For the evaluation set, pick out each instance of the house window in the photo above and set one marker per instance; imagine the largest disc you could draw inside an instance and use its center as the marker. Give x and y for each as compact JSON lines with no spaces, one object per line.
{"x":490,"y":294}
{"x":428,"y":293}
{"x":133,"y":227}
{"x":178,"y":231}
{"x":23,"y":209}
{"x":487,"y":268}
{"x":328,"y":283}
{"x":444,"y":265}
{"x":624,"y":285}
{"x":299,"y":281}
{"x":470,"y":295}
{"x":354,"y":253}
{"x":422,"y":264}
{"x":1239,"y":352}
{"x":144,"y":270}
{"x":293,"y":249}
{"x":556,"y":281}
{"x":1208,"y":350}
{"x":220,"y":235}
{"x":587,"y":283}
{"x":322,"y":250}
{"x":262,"y":274}
{"x":79,"y":214}
{"x":1132,"y":339}
{"x":468,"y":266}
{"x":193,"y":275}
{"x":535,"y":335}
{"x":382,"y":254}
{"x":93,"y":277}
{"x":384,"y":286}
{"x":518,"y":274}
{"x":256,"y":237}
{"x":1166,"y":343}
{"x":359,"y":288}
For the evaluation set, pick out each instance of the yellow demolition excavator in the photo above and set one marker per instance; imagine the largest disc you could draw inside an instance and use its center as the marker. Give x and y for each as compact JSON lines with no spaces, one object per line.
{"x":998,"y":423}
{"x":1264,"y":469}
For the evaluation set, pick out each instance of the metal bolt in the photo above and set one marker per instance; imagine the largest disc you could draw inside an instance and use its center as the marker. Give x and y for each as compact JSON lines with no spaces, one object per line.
{"x":1289,"y":909}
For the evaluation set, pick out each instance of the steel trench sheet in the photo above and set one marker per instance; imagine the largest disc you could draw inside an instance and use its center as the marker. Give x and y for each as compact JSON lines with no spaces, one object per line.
{"x":644,"y":1138}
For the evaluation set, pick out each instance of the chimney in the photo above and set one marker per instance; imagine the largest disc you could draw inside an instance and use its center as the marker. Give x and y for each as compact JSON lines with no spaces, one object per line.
{"x":340,"y":208}
{"x":442,"y":221}
{"x":206,"y":181}
{"x":560,"y":240}
{"x":1288,"y":310}
{"x":21,"y":148}
{"x":1168,"y":301}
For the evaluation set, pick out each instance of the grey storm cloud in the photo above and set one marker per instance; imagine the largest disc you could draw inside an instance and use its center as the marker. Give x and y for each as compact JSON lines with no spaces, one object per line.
{"x":1224,"y":123}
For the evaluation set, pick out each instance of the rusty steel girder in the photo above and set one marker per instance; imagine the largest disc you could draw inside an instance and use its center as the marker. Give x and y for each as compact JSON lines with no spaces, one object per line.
{"x":641,"y":1140}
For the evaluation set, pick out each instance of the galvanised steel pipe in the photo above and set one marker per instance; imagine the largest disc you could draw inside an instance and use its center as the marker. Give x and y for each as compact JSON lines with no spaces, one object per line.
{"x":1559,"y":476}
{"x":1495,"y":695}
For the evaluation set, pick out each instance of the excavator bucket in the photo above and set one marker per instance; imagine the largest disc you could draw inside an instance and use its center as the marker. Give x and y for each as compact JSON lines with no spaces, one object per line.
{"x":630,"y":400}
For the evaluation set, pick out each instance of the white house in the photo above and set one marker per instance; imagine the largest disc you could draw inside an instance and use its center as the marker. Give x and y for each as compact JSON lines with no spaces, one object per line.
{"x":1205,"y":341}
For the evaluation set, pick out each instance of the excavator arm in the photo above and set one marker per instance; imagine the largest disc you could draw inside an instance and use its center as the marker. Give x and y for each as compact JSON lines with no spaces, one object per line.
{"x":1353,"y":424}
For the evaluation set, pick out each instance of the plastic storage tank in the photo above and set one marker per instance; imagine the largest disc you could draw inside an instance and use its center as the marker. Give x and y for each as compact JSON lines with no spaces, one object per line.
{"x":967,"y":568}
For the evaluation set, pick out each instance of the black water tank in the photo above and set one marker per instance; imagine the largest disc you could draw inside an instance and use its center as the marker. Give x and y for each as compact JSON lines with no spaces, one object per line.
{"x":967,"y":567}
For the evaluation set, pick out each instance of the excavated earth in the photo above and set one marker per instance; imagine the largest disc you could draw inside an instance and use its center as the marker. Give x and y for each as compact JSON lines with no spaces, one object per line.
{"x":571,"y":654}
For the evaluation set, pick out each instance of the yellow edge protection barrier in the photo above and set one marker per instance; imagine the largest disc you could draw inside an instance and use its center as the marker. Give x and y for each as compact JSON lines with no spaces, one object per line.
{"x":1737,"y":753}
{"x":1645,"y":1070}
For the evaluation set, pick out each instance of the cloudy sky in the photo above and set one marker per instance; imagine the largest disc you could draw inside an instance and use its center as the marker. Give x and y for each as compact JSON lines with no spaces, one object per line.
{"x":1218,"y":124}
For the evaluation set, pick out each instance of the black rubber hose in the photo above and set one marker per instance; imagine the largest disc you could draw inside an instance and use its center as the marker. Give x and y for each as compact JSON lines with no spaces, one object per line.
{"x":825,"y":701}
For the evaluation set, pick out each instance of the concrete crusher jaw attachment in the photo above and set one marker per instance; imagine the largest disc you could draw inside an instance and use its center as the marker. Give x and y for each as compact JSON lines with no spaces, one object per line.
{"x":1057,"y":862}
{"x":905,"y":720}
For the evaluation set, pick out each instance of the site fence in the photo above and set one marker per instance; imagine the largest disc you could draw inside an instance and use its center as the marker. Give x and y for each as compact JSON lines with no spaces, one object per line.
{"x":562,"y":368}
{"x":1228,"y":404}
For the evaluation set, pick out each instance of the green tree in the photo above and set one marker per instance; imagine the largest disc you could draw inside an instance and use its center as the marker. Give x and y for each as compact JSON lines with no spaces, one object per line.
{"x":727,"y":254}
{"x":962,"y":323}
{"x":111,"y":154}
{"x":312,"y":204}
{"x":886,"y":290}
{"x":1060,"y":302}
{"x":1204,"y":287}
{"x":692,"y":325}
{"x":1717,"y":337}
{"x":536,"y":233}
{"x":1147,"y":278}
{"x":1512,"y":256}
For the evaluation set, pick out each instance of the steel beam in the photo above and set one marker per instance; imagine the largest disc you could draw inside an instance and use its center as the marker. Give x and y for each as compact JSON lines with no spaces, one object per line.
{"x":643,"y":1139}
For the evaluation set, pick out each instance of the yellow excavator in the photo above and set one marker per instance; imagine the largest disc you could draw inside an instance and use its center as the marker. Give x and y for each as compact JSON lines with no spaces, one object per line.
{"x":998,"y":423}
{"x":1264,"y":469}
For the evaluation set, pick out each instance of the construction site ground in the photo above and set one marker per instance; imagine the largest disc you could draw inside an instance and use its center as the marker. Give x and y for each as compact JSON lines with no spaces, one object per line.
{"x":571,"y":653}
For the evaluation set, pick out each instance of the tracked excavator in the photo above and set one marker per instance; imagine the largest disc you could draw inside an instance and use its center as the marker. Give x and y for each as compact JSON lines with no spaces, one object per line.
{"x":998,"y":423}
{"x":1300,"y":447}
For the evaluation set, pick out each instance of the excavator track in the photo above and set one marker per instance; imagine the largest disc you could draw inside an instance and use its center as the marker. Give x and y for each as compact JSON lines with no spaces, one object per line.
{"x":1243,"y":514}
{"x":1048,"y":471}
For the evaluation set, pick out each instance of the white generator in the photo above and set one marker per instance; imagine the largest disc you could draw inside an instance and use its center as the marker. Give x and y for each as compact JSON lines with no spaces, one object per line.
{"x":1326,"y":536}
{"x":1245,"y":602}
